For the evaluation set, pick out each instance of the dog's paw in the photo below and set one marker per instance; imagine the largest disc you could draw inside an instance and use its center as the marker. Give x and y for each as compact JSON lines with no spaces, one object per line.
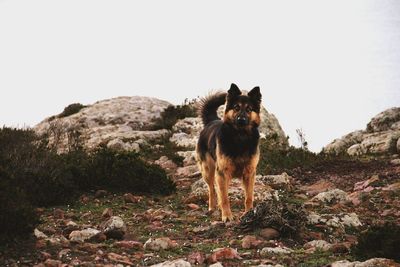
{"x":227,"y":218}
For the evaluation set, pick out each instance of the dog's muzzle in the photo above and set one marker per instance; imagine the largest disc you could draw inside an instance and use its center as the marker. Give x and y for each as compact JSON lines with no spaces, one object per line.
{"x":242,"y":120}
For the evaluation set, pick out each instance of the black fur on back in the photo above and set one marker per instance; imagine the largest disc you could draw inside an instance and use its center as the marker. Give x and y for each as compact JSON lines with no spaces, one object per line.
{"x":209,"y":106}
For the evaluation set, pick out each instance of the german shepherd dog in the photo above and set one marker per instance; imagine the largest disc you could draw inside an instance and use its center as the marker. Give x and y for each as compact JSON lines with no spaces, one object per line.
{"x":229,"y":147}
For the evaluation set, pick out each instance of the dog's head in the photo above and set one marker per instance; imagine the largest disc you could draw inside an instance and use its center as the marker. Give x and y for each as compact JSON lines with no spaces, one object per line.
{"x":243,"y":111}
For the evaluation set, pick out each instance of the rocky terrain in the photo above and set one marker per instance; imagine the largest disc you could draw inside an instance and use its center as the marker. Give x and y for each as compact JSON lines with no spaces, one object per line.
{"x":306,"y":216}
{"x":381,"y":136}
{"x":127,"y":123}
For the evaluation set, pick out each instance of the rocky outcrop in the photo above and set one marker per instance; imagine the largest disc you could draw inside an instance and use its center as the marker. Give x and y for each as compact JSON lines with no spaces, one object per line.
{"x":382,"y":136}
{"x":122,"y":123}
{"x":126,"y":123}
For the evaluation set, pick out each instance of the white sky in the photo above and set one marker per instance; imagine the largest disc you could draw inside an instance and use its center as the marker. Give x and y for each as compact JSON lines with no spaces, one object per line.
{"x":324,"y":66}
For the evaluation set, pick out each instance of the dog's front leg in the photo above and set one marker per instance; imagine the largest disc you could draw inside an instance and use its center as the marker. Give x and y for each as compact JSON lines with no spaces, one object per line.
{"x":222,"y":181}
{"x":248,"y":186}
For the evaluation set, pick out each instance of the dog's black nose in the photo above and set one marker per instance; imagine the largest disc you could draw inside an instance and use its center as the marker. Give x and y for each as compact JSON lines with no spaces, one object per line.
{"x":242,"y":121}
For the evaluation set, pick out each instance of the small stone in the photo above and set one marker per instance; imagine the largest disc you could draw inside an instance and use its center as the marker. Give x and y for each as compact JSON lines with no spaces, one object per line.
{"x":39,"y":235}
{"x":318,"y":244}
{"x":375,"y":262}
{"x":269,"y":233}
{"x":107,"y":213}
{"x":281,"y":181}
{"x":332,"y":196}
{"x":119,"y":258}
{"x":392,"y":187}
{"x":364,"y":184}
{"x":114,"y":227}
{"x":58,"y":214}
{"x":174,"y":263}
{"x":223,"y":254}
{"x":318,"y":187}
{"x":129,"y":198}
{"x":250,"y":241}
{"x":83,"y":235}
{"x":395,"y":162}
{"x":196,"y":258}
{"x":52,"y":263}
{"x":129,"y":244}
{"x":193,"y":206}
{"x":277,"y":250}
{"x":163,"y":243}
{"x":201,"y":229}
{"x":217,"y":264}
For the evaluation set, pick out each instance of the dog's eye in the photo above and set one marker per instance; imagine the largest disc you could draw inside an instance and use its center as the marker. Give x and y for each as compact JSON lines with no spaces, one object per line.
{"x":236,"y":107}
{"x":249,"y":109}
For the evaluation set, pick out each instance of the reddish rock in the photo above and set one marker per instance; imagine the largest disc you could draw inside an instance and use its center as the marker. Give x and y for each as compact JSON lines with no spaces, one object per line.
{"x":129,"y":244}
{"x":365,"y":184}
{"x":250,"y":241}
{"x":129,"y":198}
{"x":58,"y":214}
{"x":355,"y":198}
{"x":52,"y":263}
{"x":193,"y":206}
{"x":196,"y":258}
{"x":107,"y":213}
{"x":269,"y":233}
{"x":119,"y":258}
{"x":223,"y":254}
{"x":318,"y":187}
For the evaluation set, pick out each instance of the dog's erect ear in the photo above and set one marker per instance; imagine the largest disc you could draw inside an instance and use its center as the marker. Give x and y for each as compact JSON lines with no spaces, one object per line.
{"x":255,"y":94}
{"x":234,"y":90}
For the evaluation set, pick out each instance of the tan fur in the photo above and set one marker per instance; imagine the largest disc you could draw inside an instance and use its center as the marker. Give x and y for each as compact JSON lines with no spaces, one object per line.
{"x":219,"y":174}
{"x":228,"y":116}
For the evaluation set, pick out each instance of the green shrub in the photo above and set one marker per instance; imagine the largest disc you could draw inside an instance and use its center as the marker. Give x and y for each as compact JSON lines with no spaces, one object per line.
{"x":126,"y":172}
{"x":37,"y":171}
{"x":165,"y":148}
{"x":18,"y":217}
{"x":33,"y":175}
{"x":71,"y":109}
{"x":381,"y":241}
{"x":174,"y":113}
{"x":274,"y":160}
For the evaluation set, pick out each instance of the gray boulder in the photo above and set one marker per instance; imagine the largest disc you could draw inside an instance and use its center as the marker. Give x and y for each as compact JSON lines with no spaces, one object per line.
{"x":381,"y":136}
{"x":122,"y":123}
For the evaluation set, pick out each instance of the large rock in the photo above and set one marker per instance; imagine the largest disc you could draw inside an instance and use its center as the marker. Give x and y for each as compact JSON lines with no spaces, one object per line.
{"x":123,"y":123}
{"x":340,"y":220}
{"x":382,"y":136}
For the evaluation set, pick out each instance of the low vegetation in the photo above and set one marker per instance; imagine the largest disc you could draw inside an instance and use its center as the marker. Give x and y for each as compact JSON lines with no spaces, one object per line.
{"x":71,"y":109}
{"x":284,"y":214}
{"x":379,"y":241}
{"x":32,"y":175}
{"x":174,"y":113}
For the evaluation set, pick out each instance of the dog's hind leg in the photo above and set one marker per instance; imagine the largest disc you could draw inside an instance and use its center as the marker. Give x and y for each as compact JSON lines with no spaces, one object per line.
{"x":207,"y":168}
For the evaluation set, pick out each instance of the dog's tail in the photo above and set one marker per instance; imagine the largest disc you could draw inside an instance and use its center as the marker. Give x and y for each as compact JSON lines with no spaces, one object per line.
{"x":208,"y":107}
